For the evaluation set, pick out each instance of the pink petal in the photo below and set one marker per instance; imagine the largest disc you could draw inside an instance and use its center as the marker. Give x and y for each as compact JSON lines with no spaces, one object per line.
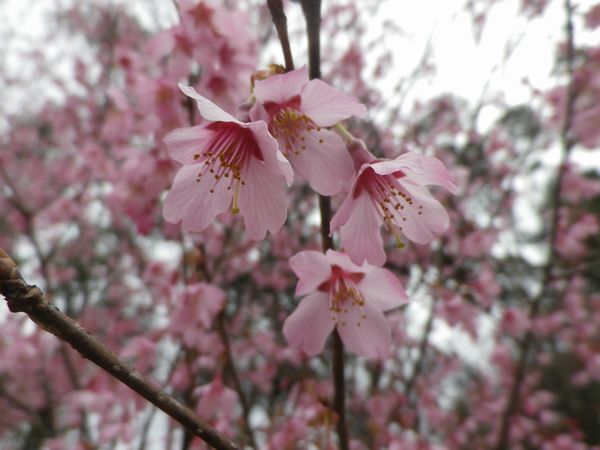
{"x":382,"y":289}
{"x":419,"y":168}
{"x":273,"y":158}
{"x":312,"y":269}
{"x":192,"y":203}
{"x":282,"y":87}
{"x":322,"y":158}
{"x":208,"y":109}
{"x":387,"y":166}
{"x":344,"y":212}
{"x":263,"y":200}
{"x":326,"y":106}
{"x":360,"y":235}
{"x":365,"y":331}
{"x":310,"y":324}
{"x":343,"y":261}
{"x":433,"y":220}
{"x":258,"y":112}
{"x":185,"y":143}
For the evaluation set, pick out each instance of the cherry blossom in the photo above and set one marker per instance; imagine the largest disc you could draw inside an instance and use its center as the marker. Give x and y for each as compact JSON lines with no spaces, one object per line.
{"x":297,"y":111}
{"x":344,"y":296}
{"x":392,"y":193}
{"x":227,"y":164}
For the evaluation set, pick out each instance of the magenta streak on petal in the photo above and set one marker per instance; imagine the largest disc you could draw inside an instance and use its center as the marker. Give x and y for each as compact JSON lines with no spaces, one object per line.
{"x":227,"y":154}
{"x":389,"y":197}
{"x":343,"y":294}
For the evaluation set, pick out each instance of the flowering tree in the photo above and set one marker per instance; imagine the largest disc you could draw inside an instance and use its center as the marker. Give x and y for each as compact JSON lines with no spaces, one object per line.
{"x":295,"y":255}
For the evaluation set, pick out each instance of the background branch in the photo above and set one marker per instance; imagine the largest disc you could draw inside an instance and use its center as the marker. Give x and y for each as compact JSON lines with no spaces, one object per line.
{"x":567,"y":144}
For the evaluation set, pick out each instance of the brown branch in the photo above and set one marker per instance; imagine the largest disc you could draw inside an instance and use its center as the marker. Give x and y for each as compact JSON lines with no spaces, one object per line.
{"x":312,"y":15}
{"x":22,"y":297}
{"x":567,"y":143}
{"x":280,"y":22}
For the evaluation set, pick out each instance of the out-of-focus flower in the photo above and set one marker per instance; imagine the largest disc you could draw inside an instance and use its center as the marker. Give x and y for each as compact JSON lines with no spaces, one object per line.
{"x":345,"y":296}
{"x":226,"y":164}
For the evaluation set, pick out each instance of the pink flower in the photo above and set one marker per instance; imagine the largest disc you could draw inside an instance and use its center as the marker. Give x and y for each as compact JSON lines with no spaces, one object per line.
{"x":297,"y":110}
{"x":343,"y":295}
{"x":226,"y":164}
{"x":392,"y":193}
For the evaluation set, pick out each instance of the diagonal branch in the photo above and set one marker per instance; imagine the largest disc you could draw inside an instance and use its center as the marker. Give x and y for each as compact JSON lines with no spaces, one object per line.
{"x":22,"y":297}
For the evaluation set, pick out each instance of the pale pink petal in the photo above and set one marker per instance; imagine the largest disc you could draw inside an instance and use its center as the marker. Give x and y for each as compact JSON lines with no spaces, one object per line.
{"x":263,"y":200}
{"x":365,"y":331}
{"x":387,"y":167}
{"x":273,"y":158}
{"x":360,"y":235}
{"x":192,"y":203}
{"x":326,"y":106}
{"x":208,"y":109}
{"x":322,"y":158}
{"x":258,"y":112}
{"x":344,"y":212}
{"x":420,"y":228}
{"x":427,"y":170}
{"x":186,"y":145}
{"x":312,"y":269}
{"x":343,"y":261}
{"x":282,"y":87}
{"x":382,"y":289}
{"x":310,"y":324}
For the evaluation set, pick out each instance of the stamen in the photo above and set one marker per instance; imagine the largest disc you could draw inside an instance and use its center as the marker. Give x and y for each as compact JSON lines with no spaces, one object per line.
{"x":236,"y":191}
{"x":288,"y":127}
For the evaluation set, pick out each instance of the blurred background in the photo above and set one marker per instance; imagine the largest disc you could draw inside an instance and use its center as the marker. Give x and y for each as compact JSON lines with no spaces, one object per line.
{"x":499,"y":347}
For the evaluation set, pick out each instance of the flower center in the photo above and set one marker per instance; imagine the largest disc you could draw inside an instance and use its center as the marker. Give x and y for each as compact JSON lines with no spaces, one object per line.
{"x":392,"y":202}
{"x":344,"y":295}
{"x":225,"y":158}
{"x":288,"y":127}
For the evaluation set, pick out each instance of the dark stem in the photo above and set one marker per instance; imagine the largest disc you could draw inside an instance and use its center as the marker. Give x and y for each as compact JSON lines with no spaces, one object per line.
{"x":339,"y":400}
{"x":280,"y":22}
{"x":22,"y":297}
{"x":312,"y":15}
{"x":233,"y":374}
{"x":418,"y":367}
{"x":567,"y":143}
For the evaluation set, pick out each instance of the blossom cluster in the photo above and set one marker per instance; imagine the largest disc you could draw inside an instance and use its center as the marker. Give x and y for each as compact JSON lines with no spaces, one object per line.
{"x":243,"y":166}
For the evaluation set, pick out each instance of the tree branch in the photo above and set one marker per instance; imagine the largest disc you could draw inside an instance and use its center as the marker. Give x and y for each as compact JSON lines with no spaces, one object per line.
{"x":22,"y":297}
{"x":312,"y":15}
{"x":567,"y":143}
{"x":280,"y":22}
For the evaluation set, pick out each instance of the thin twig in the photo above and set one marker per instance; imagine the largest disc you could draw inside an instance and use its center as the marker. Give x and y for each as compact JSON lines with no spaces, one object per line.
{"x":418,"y":367}
{"x":280,"y":22}
{"x":567,"y":143}
{"x":231,"y":369}
{"x":22,"y":297}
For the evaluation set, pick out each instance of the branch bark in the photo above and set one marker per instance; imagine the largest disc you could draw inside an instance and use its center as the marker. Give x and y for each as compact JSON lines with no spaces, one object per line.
{"x":22,"y":297}
{"x":280,"y":22}
{"x":312,"y":15}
